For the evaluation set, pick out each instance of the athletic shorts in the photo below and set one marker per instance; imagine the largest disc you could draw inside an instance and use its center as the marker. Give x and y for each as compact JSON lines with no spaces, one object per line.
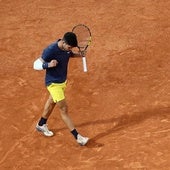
{"x":56,"y":90}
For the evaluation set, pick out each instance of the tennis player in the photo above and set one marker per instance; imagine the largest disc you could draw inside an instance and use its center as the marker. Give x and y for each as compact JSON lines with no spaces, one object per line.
{"x":55,"y":60}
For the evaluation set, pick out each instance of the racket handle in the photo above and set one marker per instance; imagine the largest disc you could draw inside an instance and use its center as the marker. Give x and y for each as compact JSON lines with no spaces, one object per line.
{"x":84,"y":64}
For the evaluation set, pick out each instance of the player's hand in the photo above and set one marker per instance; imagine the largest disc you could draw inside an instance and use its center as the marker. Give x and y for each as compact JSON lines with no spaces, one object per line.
{"x":83,"y":53}
{"x":52,"y":63}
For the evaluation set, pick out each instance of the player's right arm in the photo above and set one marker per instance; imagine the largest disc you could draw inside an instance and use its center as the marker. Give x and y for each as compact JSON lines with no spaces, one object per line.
{"x":40,"y":64}
{"x":45,"y":61}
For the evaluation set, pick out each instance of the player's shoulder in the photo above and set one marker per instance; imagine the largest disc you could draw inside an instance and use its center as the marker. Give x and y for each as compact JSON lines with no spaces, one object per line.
{"x":53,"y":45}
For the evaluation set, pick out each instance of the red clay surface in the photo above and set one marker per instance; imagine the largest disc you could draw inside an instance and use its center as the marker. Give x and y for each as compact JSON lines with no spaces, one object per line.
{"x":122,"y":103}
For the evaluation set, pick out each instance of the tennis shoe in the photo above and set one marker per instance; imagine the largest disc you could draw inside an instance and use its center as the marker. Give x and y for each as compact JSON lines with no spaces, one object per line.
{"x":44,"y":129}
{"x":82,"y":140}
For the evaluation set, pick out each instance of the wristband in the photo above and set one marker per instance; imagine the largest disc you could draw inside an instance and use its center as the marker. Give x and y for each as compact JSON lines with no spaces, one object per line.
{"x":45,"y":65}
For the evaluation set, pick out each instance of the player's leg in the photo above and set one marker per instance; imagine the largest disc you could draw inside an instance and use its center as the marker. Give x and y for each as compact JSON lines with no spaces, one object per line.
{"x":42,"y":124}
{"x":67,"y":120}
{"x":64,"y":114}
{"x":48,"y":108}
{"x":57,"y":96}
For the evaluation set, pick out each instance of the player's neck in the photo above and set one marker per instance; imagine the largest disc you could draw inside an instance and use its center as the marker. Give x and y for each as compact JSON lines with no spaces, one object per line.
{"x":60,"y":44}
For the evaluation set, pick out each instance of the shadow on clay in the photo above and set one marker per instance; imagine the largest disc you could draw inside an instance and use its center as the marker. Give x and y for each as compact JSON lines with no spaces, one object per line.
{"x":121,"y":122}
{"x":125,"y":121}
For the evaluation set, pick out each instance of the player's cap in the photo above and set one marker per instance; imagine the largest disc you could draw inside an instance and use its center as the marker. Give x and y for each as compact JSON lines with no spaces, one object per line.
{"x":70,"y":38}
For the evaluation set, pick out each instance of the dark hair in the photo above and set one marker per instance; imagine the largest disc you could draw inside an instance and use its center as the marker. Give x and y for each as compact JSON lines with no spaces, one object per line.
{"x":70,"y":38}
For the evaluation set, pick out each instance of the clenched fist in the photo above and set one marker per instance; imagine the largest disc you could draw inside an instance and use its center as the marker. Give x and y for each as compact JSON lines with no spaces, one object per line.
{"x":52,"y":63}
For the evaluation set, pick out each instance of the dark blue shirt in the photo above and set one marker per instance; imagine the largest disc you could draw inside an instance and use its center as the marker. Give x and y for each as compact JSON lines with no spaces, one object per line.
{"x":56,"y":74}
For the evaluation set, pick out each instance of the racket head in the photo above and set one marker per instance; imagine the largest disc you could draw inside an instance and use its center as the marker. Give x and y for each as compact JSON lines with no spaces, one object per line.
{"x":83,"y":34}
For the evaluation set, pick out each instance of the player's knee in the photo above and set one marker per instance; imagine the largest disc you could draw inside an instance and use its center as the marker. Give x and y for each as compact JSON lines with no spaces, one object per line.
{"x":50,"y":100}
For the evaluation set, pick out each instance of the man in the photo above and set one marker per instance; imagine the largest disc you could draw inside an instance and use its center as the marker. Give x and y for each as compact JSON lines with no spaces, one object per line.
{"x":55,"y":60}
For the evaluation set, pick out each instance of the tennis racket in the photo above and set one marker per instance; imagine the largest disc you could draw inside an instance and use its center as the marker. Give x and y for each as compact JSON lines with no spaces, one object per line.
{"x":84,"y":39}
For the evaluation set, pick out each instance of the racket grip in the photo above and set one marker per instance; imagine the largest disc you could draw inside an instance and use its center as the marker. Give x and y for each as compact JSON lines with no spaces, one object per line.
{"x":84,"y":64}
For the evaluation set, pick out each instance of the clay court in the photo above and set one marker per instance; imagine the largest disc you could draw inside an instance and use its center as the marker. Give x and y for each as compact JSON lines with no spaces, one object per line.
{"x":122,"y":103}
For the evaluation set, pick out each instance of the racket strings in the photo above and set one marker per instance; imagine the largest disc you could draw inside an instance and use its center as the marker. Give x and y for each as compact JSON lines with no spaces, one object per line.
{"x":83,"y":36}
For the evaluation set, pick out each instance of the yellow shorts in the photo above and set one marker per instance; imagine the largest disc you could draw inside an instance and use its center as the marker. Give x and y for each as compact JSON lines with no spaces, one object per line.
{"x":56,"y":90}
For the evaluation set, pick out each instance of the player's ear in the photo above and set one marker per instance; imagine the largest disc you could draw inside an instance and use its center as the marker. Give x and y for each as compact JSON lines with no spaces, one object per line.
{"x":64,"y":42}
